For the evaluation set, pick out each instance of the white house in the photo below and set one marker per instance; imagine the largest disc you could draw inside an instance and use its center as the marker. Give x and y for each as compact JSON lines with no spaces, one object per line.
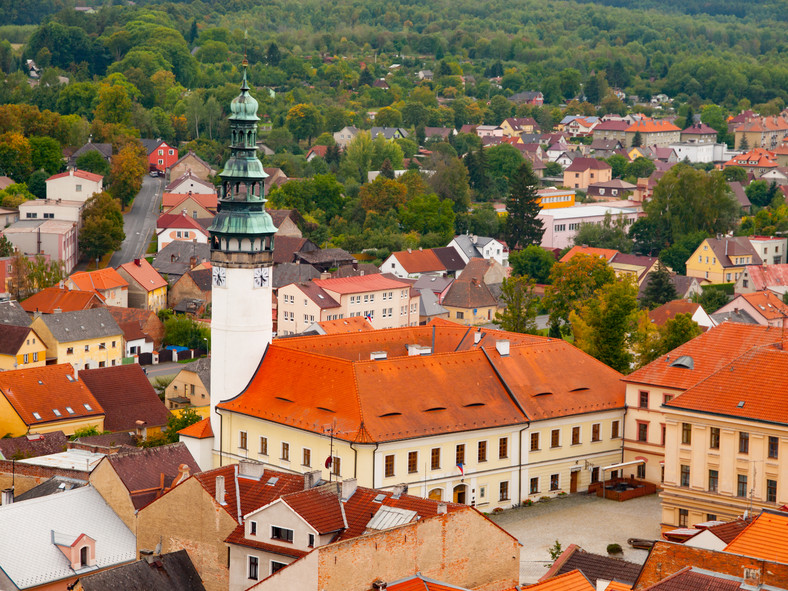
{"x":171,"y":227}
{"x":344,"y":136}
{"x":703,"y":152}
{"x":484,"y":247}
{"x":190,"y":183}
{"x":561,"y":224}
{"x":74,"y":185}
{"x":52,"y":209}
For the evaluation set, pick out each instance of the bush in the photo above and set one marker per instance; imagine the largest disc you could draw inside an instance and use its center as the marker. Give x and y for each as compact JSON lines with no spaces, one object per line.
{"x":614,"y":549}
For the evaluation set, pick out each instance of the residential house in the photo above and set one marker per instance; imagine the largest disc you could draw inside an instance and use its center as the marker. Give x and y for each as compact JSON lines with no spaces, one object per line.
{"x":441,"y":133}
{"x":715,"y":535}
{"x":471,"y":246}
{"x":161,"y":155}
{"x":585,"y":171}
{"x":390,"y":133}
{"x":424,"y":75}
{"x":656,"y":154}
{"x":135,"y":341}
{"x":12,"y":314}
{"x":611,"y":190}
{"x":760,"y":132}
{"x":173,"y":571}
{"x":53,"y":238}
{"x":74,"y":185}
{"x":702,"y":153}
{"x":604,"y":148}
{"x":635,"y":266}
{"x":757,"y":161}
{"x":105,"y":150}
{"x":649,"y":387}
{"x":68,"y":534}
{"x":54,"y":300}
{"x":197,"y":205}
{"x":598,"y":570}
{"x":561,"y":225}
{"x":443,"y":442}
{"x":573,"y":579}
{"x":615,"y":130}
{"x":660,"y":315}
{"x":52,"y":209}
{"x":437,"y":284}
{"x":764,"y":307}
{"x":177,"y":257}
{"x":466,"y":549}
{"x":488,"y":271}
{"x":528,"y":97}
{"x":489,"y":131}
{"x":470,"y":301}
{"x":603,"y":253}
{"x":699,"y":133}
{"x":129,"y":480}
{"x":191,"y":163}
{"x":21,"y":347}
{"x":190,"y":182}
{"x":191,"y":387}
{"x":8,"y":217}
{"x":581,"y":126}
{"x":194,"y":286}
{"x":725,"y":441}
{"x":380,"y":83}
{"x":430,"y":307}
{"x":344,"y":136}
{"x":653,"y":132}
{"x":286,"y":222}
{"x":129,"y":401}
{"x":324,"y":259}
{"x":733,"y":316}
{"x":367,"y":296}
{"x":514,"y":126}
{"x":414,"y":263}
{"x":85,"y":339}
{"x":355,"y":269}
{"x":723,"y":259}
{"x":46,"y":399}
{"x":147,"y":289}
{"x":148,"y":322}
{"x":762,"y":277}
{"x":771,"y":249}
{"x":287,"y":273}
{"x":179,"y":226}
{"x":106,"y":283}
{"x":287,"y":247}
{"x":555,"y":198}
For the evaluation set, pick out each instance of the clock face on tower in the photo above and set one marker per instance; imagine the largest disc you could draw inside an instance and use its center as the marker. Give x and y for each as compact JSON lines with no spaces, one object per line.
{"x":262,"y":277}
{"x":219,"y":276}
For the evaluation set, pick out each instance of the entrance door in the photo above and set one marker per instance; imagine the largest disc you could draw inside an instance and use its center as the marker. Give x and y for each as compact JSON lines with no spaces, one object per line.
{"x":436,"y":494}
{"x":459,"y":494}
{"x":573,"y":481}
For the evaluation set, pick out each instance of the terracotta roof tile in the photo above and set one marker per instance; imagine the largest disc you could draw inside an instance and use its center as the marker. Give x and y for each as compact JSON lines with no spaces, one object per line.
{"x":237,"y":537}
{"x":469,"y":293}
{"x":172,"y":200}
{"x":580,"y":164}
{"x":126,"y":396}
{"x":571,"y":581}
{"x":144,"y":274}
{"x":179,"y":220}
{"x":44,"y":390}
{"x":33,"y":445}
{"x":593,"y":566}
{"x":320,"y":507}
{"x":690,"y":578}
{"x":318,"y":295}
{"x":765,"y":276}
{"x":647,"y":125}
{"x":767,"y":304}
{"x":665,"y":312}
{"x":102,"y":279}
{"x":83,"y":174}
{"x":343,"y":325}
{"x":603,"y":253}
{"x":360,"y":283}
{"x":419,"y":582}
{"x":419,"y":261}
{"x":765,"y":538}
{"x":199,"y":430}
{"x":285,"y":248}
{"x":50,"y":299}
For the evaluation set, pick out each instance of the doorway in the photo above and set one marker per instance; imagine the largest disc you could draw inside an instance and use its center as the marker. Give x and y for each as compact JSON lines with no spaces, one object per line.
{"x":459,"y":493}
{"x":573,"y":481}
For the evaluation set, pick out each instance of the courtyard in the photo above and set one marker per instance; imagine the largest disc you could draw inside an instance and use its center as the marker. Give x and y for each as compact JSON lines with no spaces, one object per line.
{"x":587,"y":521}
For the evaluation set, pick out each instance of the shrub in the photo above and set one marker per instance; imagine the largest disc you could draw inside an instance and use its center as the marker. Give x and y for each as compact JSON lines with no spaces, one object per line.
{"x":614,"y":549}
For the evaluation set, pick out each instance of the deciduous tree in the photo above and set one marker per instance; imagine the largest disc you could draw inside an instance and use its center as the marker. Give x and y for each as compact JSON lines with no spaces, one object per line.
{"x":304,"y":121}
{"x":521,"y":306}
{"x":573,"y":282}
{"x":533,"y":261}
{"x":128,"y":167}
{"x":611,"y":233}
{"x":102,"y":226}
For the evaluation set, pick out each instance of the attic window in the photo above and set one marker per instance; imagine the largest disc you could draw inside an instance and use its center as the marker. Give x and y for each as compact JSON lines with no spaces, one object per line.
{"x":87,"y":406}
{"x":325,"y":409}
{"x":40,"y":383}
{"x":272,"y":481}
{"x":69,"y":410}
{"x":57,"y":412}
{"x":36,"y":416}
{"x":472,"y":404}
{"x":283,"y":399}
{"x":741,"y":404}
{"x":684,"y":361}
{"x":542,"y":393}
{"x":71,"y":378}
{"x":435,"y":408}
{"x":379,"y":499}
{"x":391,"y":414}
{"x":580,"y":389}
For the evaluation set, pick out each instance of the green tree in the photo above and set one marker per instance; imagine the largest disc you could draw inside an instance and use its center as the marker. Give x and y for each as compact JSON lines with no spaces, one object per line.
{"x":114,"y":104}
{"x":93,"y":161}
{"x":639,"y":168}
{"x":637,"y":140}
{"x":389,"y":117}
{"x":675,"y":332}
{"x":734,"y":173}
{"x":676,"y":256}
{"x":611,"y":233}
{"x":102,"y":226}
{"x":44,"y":273}
{"x":183,"y":331}
{"x":175,"y":422}
{"x":572,"y":283}
{"x":553,"y":169}
{"x":618,"y":163}
{"x":503,"y":161}
{"x":304,"y":121}
{"x":37,"y":184}
{"x":522,"y":226}
{"x":712,"y":299}
{"x":46,"y":154}
{"x":606,"y":325}
{"x":449,"y":180}
{"x":520,"y":306}
{"x":6,"y":248}
{"x":533,"y":261}
{"x":427,"y":214}
{"x":659,"y":288}
{"x":758,"y":192}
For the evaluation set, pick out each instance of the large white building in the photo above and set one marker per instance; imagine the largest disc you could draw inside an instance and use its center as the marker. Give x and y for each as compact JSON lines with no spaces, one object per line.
{"x":561,"y":225}
{"x":74,"y":185}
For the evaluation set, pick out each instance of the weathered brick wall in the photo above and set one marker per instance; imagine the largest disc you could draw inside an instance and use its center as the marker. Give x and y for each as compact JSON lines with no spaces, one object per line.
{"x":27,"y":476}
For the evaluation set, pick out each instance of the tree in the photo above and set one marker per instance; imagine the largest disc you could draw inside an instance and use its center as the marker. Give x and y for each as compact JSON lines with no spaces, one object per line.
{"x":610,"y":234}
{"x":44,"y":273}
{"x":659,"y":289}
{"x":46,"y":154}
{"x":102,"y":226}
{"x":175,"y":422}
{"x":450,"y":180}
{"x":503,"y":160}
{"x":382,"y":195}
{"x":533,"y":261}
{"x":758,"y":192}
{"x":637,"y":140}
{"x":428,"y":214}
{"x":553,"y":169}
{"x":37,"y":184}
{"x":675,"y":332}
{"x":114,"y":104}
{"x":522,"y":226}
{"x":273,"y":56}
{"x":15,"y":156}
{"x":6,"y":248}
{"x":606,"y":325}
{"x":304,"y":121}
{"x":128,"y":167}
{"x":734,"y":173}
{"x":676,"y":256}
{"x":573,"y":282}
{"x":93,"y":161}
{"x":618,"y":163}
{"x":387,"y":170}
{"x":521,"y":306}
{"x":711,"y":298}
{"x":19,"y":284}
{"x":365,"y":78}
{"x":183,"y":331}
{"x":388,"y":117}
{"x":639,"y":168}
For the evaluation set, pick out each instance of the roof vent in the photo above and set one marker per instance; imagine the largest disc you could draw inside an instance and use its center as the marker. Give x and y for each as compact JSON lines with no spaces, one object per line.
{"x":272,"y":481}
{"x":378,"y":355}
{"x":434,"y":408}
{"x":741,"y":404}
{"x":684,"y":361}
{"x":477,"y":336}
{"x":502,"y":347}
{"x":579,"y":389}
{"x":379,"y":499}
{"x":542,"y":393}
{"x":391,"y":414}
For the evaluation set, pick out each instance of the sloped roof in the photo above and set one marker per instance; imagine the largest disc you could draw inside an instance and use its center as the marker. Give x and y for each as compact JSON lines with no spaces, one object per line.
{"x":765,"y":276}
{"x":187,"y":176}
{"x":95,"y":323}
{"x":766,"y":304}
{"x":325,"y":256}
{"x":201,"y":278}
{"x":428,"y":303}
{"x":593,"y":566}
{"x":320,"y":508}
{"x":343,"y":325}
{"x":419,"y":261}
{"x":764,"y":538}
{"x":740,"y":316}
{"x":144,"y":274}
{"x":710,"y":352}
{"x":317,"y":294}
{"x":603,"y":253}
{"x":469,"y":293}
{"x":31,"y":446}
{"x":582,"y":163}
{"x":50,"y":299}
{"x":126,"y":396}
{"x":13,"y":314}
{"x":285,"y":248}
{"x":199,"y":430}
{"x":613,"y":125}
{"x":436,"y":283}
{"x":699,"y":129}
{"x":360,"y":283}
{"x":728,"y":531}
{"x":172,"y":200}
{"x":287,"y":273}
{"x":732,"y":246}
{"x":419,"y":582}
{"x":450,"y":258}
{"x":570,"y":581}
{"x":179,"y":220}
{"x":647,"y":125}
{"x":354,"y":270}
{"x":665,"y":312}
{"x":202,"y":367}
{"x":12,"y":338}
{"x":174,"y":258}
{"x":691,"y":577}
{"x":190,"y":154}
{"x":107,"y":278}
{"x":170,"y":572}
{"x":31,"y":559}
{"x":82,"y":174}
{"x":738,"y":192}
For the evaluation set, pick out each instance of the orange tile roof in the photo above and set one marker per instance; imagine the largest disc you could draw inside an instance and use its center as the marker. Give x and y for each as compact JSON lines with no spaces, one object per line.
{"x":99,"y":280}
{"x":83,"y":174}
{"x":751,"y":386}
{"x":49,"y":392}
{"x":767,"y":304}
{"x":419,"y":261}
{"x":665,"y":312}
{"x":758,"y":157}
{"x":144,"y":274}
{"x":361,"y":283}
{"x":343,"y":325}
{"x":419,"y":582}
{"x":207,"y":200}
{"x":603,"y":253}
{"x":647,"y":125}
{"x":710,"y":352}
{"x":616,"y":586}
{"x":50,"y":299}
{"x":309,"y":382}
{"x":179,"y":220}
{"x":571,"y":581}
{"x":199,"y":430}
{"x":765,"y":538}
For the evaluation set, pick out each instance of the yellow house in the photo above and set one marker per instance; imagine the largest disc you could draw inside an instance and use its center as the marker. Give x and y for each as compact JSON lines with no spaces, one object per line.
{"x":722,"y":260}
{"x":476,"y":417}
{"x":147,"y":289}
{"x":514,"y":126}
{"x":470,"y":301}
{"x":20,"y":346}
{"x":191,"y":387}
{"x":86,"y":339}
{"x":46,"y":399}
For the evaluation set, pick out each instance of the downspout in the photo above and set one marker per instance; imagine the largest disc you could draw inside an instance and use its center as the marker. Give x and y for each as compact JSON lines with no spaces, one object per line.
{"x":462,"y":340}
{"x":374,"y":451}
{"x":221,"y":425}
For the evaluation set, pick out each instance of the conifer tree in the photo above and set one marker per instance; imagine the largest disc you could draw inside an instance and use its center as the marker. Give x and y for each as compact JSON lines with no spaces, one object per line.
{"x":387,"y":170}
{"x":659,"y":289}
{"x":637,"y":140}
{"x":522,"y":227}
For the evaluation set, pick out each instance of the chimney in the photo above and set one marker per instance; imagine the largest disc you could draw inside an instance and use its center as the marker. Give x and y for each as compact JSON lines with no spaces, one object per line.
{"x":192,"y":262}
{"x":348,"y":488}
{"x":325,"y":275}
{"x":378,"y":355}
{"x":502,"y":347}
{"x":311,"y":479}
{"x":379,"y":585}
{"x":442,"y":508}
{"x":251,"y":469}
{"x":220,"y":490}
{"x":183,"y":473}
{"x":399,"y":490}
{"x":477,"y":337}
{"x":752,"y":576}
{"x":8,"y":496}
{"x":137,"y":262}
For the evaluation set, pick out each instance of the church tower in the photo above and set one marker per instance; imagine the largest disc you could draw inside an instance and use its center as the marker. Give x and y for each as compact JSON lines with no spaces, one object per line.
{"x":242,"y":243}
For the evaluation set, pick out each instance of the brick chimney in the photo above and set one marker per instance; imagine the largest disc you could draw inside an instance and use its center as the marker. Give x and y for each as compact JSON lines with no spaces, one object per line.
{"x":348,"y":488}
{"x":220,"y":490}
{"x":183,"y":473}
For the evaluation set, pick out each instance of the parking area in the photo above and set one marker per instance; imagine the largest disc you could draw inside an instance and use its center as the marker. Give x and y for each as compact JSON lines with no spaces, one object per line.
{"x":588,"y":521}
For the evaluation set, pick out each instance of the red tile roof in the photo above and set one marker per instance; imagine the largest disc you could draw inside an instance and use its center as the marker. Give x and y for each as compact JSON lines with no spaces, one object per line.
{"x":613,"y":125}
{"x":343,"y":325}
{"x":172,"y":200}
{"x":765,"y":538}
{"x":50,"y":299}
{"x":359,"y":284}
{"x":647,"y":125}
{"x":199,"y":430}
{"x":766,"y":304}
{"x":83,"y":174}
{"x":45,"y":390}
{"x":699,"y":129}
{"x":581,"y":164}
{"x":419,"y":582}
{"x":318,"y":295}
{"x":99,"y":280}
{"x":419,"y":261}
{"x":469,"y":293}
{"x":126,"y":396}
{"x":710,"y":352}
{"x":764,"y":276}
{"x":665,"y":312}
{"x":144,"y":274}
{"x":179,"y":220}
{"x":758,"y":157}
{"x":571,"y":581}
{"x":319,"y":507}
{"x":688,"y":578}
{"x":603,"y":253}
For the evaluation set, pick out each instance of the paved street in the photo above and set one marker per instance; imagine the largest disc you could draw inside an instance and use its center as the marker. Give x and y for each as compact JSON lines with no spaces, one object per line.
{"x":140,"y":222}
{"x":163,"y":369}
{"x":590,"y":522}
